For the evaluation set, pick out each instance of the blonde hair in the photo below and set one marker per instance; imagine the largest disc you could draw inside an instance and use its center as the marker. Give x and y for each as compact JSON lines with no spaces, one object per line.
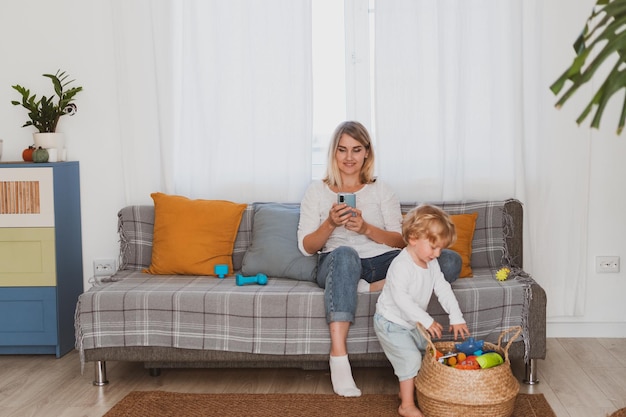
{"x":427,"y":221}
{"x":359,"y":133}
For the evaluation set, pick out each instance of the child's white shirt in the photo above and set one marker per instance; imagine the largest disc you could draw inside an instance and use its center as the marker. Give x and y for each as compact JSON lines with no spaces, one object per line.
{"x":408,"y":290}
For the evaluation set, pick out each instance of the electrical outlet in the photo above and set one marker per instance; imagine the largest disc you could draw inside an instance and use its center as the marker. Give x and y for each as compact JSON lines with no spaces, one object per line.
{"x":104,"y":267}
{"x":607,"y":263}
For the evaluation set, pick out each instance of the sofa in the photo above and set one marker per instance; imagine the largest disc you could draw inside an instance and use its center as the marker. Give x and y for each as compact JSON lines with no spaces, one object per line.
{"x":195,"y":319}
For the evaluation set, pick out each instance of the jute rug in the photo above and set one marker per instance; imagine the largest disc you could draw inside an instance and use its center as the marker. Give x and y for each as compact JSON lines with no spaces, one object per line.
{"x":170,"y":404}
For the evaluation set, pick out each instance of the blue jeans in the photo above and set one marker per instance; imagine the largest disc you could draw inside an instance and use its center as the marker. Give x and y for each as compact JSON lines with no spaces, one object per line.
{"x":450,"y":263}
{"x":339,"y":271}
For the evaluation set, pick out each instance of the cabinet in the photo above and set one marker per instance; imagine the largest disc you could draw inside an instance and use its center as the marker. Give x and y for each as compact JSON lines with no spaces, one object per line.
{"x":41,"y":262}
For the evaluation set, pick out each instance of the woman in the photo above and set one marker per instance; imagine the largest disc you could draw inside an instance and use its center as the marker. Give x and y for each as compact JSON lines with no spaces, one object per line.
{"x":356,"y":245}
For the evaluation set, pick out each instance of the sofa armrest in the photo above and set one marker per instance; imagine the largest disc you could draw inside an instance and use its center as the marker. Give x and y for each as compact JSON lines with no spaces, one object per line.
{"x":537,"y":322}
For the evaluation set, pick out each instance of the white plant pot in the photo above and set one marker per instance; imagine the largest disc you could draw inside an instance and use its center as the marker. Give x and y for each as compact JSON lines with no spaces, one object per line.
{"x":53,"y":142}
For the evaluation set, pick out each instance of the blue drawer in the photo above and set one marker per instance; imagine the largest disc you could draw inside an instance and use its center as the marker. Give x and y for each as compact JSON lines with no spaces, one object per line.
{"x":28,"y":318}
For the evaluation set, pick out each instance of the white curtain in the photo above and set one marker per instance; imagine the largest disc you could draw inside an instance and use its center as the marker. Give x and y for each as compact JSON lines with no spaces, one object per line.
{"x":215,"y":98}
{"x":448,"y":97}
{"x":461,"y":102}
{"x":143,"y":52}
{"x":215,"y":102}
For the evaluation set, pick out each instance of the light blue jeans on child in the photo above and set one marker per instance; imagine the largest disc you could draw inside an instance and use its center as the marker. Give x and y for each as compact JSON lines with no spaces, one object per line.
{"x":339,"y":271}
{"x":403,"y":347}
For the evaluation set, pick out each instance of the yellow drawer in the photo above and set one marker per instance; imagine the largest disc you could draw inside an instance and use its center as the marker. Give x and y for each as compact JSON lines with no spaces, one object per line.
{"x":27,"y":257}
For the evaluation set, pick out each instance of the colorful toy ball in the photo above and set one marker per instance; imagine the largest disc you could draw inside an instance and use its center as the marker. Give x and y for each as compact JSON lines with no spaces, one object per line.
{"x":503,"y":274}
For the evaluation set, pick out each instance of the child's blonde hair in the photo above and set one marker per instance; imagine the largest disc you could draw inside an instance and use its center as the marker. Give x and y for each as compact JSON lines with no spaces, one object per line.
{"x":427,"y":221}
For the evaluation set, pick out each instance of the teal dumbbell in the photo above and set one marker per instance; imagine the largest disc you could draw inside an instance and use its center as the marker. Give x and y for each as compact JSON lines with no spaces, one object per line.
{"x":260,"y":279}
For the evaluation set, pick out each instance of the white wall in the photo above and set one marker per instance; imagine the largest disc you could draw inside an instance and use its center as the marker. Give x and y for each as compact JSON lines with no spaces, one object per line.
{"x":605,"y":310}
{"x":41,"y":36}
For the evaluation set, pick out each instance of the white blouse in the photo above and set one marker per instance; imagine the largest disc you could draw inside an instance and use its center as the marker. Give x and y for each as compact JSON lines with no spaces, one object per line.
{"x":377,"y":202}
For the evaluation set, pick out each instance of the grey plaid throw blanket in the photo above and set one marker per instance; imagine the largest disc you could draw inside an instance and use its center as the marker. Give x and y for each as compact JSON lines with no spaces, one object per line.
{"x":283,"y":317}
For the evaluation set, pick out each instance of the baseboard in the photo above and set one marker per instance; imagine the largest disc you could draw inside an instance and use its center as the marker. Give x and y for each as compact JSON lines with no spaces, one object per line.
{"x":563,"y":328}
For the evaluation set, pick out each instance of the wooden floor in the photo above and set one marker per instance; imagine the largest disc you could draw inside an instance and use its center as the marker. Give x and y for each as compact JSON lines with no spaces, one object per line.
{"x":580,"y":378}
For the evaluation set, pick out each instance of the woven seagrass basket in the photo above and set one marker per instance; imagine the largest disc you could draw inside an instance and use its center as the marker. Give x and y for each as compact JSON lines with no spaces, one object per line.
{"x":443,"y":391}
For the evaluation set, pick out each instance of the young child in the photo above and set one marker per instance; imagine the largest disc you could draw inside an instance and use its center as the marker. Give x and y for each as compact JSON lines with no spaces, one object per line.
{"x":412,"y":278}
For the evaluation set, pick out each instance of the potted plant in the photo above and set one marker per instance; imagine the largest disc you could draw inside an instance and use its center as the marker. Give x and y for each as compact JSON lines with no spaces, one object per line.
{"x":44,"y":113}
{"x":602,"y":38}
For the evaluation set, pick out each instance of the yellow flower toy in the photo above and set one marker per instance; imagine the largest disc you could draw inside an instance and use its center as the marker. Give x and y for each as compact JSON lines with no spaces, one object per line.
{"x":503,"y":274}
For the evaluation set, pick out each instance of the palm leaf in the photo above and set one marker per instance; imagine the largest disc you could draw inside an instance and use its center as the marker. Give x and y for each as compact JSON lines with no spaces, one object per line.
{"x":603,"y":38}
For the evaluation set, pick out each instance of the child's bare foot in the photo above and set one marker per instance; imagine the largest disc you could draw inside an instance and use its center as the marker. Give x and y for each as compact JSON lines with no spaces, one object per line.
{"x":409,"y":411}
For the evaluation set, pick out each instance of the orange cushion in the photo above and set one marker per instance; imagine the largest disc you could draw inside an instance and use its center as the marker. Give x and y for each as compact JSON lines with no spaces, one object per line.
{"x":192,"y":236}
{"x":465,"y":225}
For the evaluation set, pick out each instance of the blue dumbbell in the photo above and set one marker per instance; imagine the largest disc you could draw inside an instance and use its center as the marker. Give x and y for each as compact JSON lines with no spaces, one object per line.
{"x":260,"y":279}
{"x":221,"y":270}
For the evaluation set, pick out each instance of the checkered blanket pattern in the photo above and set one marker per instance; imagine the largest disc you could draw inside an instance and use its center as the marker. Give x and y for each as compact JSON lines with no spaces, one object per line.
{"x":283,"y":317}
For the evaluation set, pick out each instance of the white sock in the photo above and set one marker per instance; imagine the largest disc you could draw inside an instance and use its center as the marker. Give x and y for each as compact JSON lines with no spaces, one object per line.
{"x":341,"y":377}
{"x":363,"y":286}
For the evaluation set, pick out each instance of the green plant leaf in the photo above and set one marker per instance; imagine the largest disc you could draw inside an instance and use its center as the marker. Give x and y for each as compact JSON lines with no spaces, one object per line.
{"x":611,"y":86}
{"x":44,"y":114}
{"x":604,"y":34}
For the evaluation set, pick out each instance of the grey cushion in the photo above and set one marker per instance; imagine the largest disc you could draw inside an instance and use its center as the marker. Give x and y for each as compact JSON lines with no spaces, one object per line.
{"x":274,"y":248}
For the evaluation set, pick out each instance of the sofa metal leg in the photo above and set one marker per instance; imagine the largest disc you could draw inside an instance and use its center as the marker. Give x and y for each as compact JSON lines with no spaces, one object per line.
{"x":531,"y":373}
{"x":155,"y":371}
{"x":100,"y":374}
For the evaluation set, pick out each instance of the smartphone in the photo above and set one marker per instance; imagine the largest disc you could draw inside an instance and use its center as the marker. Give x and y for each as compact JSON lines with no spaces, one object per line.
{"x":349,"y":199}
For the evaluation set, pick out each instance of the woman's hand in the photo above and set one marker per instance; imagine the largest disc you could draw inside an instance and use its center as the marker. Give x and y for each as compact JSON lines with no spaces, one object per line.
{"x":351,"y":218}
{"x":354,"y":222}
{"x":340,"y":214}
